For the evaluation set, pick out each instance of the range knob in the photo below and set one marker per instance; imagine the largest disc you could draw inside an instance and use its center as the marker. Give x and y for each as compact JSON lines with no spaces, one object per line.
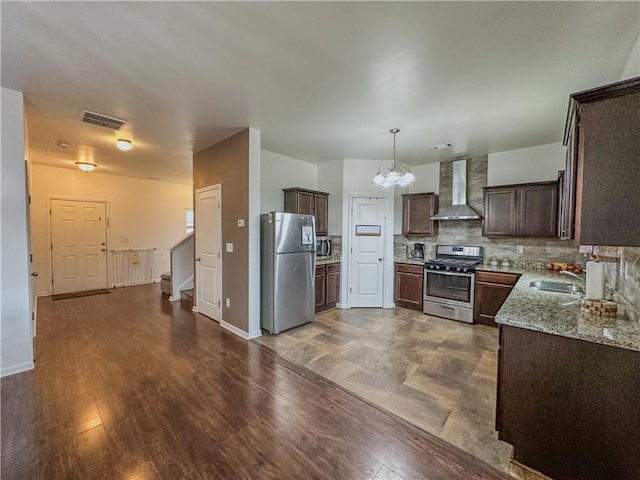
{"x":437,"y":267}
{"x":459,"y":269}
{"x":465,"y":269}
{"x":448,"y":268}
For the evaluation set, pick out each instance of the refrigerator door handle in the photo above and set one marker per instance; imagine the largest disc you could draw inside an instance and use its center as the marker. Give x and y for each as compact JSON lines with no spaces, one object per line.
{"x":313,"y":270}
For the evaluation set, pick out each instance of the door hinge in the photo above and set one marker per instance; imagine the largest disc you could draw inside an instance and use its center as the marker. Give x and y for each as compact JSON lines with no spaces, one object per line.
{"x":218,"y":254}
{"x":52,"y":246}
{"x":218,"y":205}
{"x":31,"y":258}
{"x":50,"y":212}
{"x":52,"y":281}
{"x":218,"y":302}
{"x":350,"y":290}
{"x":33,"y":316}
{"x":107,"y":220}
{"x":29,"y":197}
{"x":351,"y":250}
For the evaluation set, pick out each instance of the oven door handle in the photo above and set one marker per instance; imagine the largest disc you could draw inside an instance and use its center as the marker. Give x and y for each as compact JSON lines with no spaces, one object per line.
{"x":442,"y":272}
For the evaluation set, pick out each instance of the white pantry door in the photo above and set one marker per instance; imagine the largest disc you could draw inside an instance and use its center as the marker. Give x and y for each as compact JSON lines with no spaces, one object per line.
{"x":78,"y":245}
{"x":366,"y":275}
{"x":208,"y":231}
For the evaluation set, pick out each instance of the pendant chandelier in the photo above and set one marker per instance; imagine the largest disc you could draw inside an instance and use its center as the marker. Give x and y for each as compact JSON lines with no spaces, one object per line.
{"x":392,"y":176}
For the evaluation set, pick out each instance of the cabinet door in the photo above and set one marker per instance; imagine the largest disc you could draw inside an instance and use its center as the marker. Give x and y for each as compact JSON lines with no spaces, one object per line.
{"x":610,"y":187}
{"x":499,"y":212}
{"x":320,"y":288}
{"x":538,"y":210}
{"x":306,"y":203}
{"x":322,"y":214}
{"x":417,"y":210}
{"x":333,"y":288}
{"x":409,"y":290}
{"x":489,"y":298}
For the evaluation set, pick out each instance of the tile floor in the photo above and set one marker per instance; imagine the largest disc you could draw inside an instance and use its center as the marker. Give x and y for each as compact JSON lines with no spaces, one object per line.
{"x":437,"y":374}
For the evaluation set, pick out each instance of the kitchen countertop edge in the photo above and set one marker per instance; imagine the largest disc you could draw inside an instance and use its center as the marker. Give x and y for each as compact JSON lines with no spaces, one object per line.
{"x":544,"y":312}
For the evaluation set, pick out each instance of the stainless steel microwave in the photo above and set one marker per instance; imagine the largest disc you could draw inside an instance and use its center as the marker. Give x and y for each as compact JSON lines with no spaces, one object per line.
{"x":323,"y":248}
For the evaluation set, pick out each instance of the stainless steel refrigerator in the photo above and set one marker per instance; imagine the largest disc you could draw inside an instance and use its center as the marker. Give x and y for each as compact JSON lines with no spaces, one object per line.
{"x":287,"y":248}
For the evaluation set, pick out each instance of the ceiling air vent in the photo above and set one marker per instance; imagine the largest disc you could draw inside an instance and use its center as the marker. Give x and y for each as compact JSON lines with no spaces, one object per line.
{"x":102,"y":120}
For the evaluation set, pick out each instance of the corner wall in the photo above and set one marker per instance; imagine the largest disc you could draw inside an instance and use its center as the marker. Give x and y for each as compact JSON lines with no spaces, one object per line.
{"x":227,"y":163}
{"x":16,"y":345}
{"x":278,"y":172}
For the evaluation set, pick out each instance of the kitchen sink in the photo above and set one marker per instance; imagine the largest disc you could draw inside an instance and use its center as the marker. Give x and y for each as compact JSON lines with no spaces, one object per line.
{"x":557,"y":287}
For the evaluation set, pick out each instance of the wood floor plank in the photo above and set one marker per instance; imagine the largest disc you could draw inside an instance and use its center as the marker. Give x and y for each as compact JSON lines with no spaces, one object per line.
{"x":129,"y":385}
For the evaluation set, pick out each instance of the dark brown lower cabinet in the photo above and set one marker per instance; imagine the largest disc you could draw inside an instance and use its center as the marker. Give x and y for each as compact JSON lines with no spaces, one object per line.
{"x":409,"y":280}
{"x":570,"y":408}
{"x":492,"y":289}
{"x":327,"y":286}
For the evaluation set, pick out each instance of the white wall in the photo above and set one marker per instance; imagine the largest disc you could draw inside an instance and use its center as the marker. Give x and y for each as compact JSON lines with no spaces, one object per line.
{"x":15,"y":305}
{"x":632,"y":67}
{"x":255,"y":188}
{"x":148,"y":213}
{"x":531,"y":164}
{"x":278,"y":172}
{"x":330,"y":180}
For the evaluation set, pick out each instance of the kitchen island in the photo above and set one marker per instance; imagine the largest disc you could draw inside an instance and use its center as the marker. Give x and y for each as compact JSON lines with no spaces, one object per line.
{"x":568,"y":385}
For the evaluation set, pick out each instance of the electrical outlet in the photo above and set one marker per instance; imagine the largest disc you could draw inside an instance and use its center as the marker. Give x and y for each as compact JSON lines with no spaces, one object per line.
{"x":519,"y":248}
{"x":229,"y":247}
{"x":227,"y":303}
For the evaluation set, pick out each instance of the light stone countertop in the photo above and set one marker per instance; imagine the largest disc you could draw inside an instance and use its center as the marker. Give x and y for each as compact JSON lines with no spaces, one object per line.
{"x":328,"y":259}
{"x":408,"y":261}
{"x":533,"y":309}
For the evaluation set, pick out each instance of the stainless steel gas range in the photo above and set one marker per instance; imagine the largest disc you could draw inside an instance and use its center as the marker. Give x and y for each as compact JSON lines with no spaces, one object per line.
{"x":449,"y":282}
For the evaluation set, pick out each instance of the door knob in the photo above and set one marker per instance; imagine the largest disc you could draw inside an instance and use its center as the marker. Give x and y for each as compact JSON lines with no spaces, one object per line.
{"x":34,"y":274}
{"x":103,"y":249}
{"x":380,"y":259}
{"x":197,"y":259}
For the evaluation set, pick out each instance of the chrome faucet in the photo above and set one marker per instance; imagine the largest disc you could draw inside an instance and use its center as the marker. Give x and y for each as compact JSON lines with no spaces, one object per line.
{"x":566,"y":272}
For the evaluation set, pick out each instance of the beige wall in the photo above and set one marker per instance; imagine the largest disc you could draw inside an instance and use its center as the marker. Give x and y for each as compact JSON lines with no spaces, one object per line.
{"x":147,"y":213}
{"x":278,"y":172}
{"x":227,"y":162}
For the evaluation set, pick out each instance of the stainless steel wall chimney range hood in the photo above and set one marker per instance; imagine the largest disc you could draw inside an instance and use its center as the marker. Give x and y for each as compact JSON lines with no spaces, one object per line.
{"x":459,"y":210}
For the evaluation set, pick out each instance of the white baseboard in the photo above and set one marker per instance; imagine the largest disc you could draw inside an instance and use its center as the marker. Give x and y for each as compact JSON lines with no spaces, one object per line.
{"x":342,"y":305}
{"x":194,"y":309}
{"x":390,"y":305}
{"x":175,"y":299}
{"x":239,"y":332}
{"x":12,"y":370}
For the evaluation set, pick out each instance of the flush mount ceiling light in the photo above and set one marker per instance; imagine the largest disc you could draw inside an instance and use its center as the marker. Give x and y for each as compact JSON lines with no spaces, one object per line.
{"x":392,"y":176}
{"x":440,"y":146}
{"x":86,"y":166}
{"x":123,"y":144}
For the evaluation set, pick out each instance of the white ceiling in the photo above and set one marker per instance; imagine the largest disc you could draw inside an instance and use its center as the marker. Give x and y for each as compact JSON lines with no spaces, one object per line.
{"x":321,"y":81}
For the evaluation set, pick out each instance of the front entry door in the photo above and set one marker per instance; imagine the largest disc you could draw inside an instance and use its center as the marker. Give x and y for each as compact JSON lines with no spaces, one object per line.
{"x":208,"y":229}
{"x":366,"y":275}
{"x":78,"y":245}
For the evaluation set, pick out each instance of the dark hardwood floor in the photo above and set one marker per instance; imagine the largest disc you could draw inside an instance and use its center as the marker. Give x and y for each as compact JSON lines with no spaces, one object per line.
{"x":131,"y":386}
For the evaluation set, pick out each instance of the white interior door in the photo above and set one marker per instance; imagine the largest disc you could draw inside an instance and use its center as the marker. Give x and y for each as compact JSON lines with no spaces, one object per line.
{"x":366,"y":275}
{"x":208,"y":230}
{"x":78,"y":245}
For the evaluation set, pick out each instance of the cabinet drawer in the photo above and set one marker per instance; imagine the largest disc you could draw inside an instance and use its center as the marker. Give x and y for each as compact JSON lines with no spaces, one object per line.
{"x":407,"y":268}
{"x":493,"y":277}
{"x":333,"y":267}
{"x":320,"y":269}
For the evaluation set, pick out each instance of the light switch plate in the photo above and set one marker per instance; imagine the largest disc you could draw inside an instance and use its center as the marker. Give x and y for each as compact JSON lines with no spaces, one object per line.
{"x":241,"y":222}
{"x":229,"y":247}
{"x":228,"y":302}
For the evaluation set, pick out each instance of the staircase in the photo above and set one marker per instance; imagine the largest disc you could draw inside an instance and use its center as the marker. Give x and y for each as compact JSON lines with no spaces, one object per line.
{"x":182,"y":258}
{"x":186,"y":299}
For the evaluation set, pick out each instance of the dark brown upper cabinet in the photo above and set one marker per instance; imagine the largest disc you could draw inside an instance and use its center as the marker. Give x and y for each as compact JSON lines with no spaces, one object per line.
{"x":522,"y":210}
{"x":417,"y":210}
{"x":599,"y":204}
{"x":309,"y":202}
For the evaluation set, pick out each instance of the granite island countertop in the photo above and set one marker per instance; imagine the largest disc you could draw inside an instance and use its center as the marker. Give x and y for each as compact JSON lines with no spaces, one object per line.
{"x":548,"y":312}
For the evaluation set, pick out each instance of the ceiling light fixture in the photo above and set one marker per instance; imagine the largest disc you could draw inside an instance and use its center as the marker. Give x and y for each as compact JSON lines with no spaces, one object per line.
{"x":390,"y":177}
{"x":86,"y":166}
{"x":123,"y":144}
